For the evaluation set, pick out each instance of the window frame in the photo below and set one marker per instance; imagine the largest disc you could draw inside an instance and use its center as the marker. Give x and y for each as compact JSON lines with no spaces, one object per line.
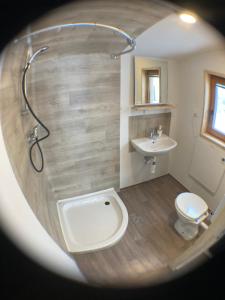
{"x":211,"y":79}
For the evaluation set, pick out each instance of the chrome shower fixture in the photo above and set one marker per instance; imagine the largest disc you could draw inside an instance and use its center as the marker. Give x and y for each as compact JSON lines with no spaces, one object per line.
{"x":33,"y":135}
{"x":130,"y":40}
{"x":38,"y":52}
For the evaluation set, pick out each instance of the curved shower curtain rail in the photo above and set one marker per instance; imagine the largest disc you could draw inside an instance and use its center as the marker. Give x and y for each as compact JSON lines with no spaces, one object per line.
{"x":130,"y":40}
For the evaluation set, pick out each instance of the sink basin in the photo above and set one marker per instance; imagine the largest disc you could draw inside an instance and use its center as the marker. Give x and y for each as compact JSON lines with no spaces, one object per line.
{"x":150,"y":147}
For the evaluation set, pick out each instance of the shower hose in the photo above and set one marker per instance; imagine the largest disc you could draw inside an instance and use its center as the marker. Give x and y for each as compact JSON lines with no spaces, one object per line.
{"x":37,"y":140}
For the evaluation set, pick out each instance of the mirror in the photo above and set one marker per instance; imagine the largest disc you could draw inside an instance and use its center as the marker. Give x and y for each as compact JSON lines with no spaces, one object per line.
{"x":150,"y":84}
{"x":150,"y":81}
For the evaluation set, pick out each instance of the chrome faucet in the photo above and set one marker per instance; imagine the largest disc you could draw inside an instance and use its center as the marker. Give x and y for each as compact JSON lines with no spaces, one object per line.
{"x":153,"y":133}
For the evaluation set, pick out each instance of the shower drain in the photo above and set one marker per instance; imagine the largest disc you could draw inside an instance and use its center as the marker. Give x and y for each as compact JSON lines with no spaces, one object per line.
{"x":107,"y":202}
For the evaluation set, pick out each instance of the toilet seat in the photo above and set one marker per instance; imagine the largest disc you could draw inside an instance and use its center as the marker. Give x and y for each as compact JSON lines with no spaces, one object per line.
{"x":191,"y":206}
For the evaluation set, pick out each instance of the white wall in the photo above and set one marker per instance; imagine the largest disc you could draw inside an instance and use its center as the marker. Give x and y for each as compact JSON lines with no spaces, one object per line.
{"x":132,"y":167}
{"x":155,"y":42}
{"x":185,"y":90}
{"x":173,"y":38}
{"x":190,"y":101}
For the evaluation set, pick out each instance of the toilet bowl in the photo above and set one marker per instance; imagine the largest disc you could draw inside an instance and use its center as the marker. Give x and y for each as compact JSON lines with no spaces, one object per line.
{"x":191,"y":210}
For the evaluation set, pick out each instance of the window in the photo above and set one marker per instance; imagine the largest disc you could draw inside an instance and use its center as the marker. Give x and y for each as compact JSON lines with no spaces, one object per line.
{"x":153,"y":89}
{"x":215,"y":118}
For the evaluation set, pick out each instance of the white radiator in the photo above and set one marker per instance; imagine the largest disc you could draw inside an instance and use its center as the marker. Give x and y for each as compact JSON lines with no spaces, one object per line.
{"x":207,"y":166}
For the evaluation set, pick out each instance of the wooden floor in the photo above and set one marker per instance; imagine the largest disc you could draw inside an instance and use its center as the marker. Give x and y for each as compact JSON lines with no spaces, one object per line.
{"x":149,"y":243}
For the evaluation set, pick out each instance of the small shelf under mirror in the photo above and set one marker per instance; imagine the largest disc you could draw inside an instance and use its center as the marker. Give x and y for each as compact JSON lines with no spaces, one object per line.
{"x":152,"y":107}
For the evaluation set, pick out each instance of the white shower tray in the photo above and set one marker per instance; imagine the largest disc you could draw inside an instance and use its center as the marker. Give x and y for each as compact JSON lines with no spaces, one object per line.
{"x":93,"y":221}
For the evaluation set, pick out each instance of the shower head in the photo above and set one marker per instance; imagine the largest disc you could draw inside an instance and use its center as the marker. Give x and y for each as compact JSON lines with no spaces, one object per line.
{"x":39,"y":51}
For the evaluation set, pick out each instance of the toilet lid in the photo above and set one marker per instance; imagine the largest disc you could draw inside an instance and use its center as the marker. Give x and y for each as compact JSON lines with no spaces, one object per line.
{"x":191,"y":205}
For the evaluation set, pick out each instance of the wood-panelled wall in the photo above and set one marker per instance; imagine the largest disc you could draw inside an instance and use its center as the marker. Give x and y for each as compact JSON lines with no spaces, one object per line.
{"x":82,"y":152}
{"x":35,"y":187}
{"x":75,"y":87}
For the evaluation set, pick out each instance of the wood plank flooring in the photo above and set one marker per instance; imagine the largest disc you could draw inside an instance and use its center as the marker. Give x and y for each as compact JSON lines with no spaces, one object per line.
{"x":149,"y":243}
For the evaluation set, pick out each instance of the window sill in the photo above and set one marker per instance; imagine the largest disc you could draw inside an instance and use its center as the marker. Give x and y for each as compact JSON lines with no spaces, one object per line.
{"x":213,"y":139}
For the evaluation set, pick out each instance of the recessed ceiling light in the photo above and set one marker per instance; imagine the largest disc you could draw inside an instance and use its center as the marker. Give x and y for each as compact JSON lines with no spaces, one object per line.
{"x":188,"y":18}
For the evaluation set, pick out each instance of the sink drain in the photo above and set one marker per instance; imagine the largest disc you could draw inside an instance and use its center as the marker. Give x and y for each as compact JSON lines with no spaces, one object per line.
{"x":107,"y":202}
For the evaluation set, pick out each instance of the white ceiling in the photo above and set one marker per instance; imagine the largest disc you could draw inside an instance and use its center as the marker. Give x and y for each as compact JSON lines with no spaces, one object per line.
{"x":172,"y":38}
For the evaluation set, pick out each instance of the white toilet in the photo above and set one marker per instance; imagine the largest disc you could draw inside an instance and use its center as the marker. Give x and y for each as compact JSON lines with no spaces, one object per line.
{"x":191,"y":210}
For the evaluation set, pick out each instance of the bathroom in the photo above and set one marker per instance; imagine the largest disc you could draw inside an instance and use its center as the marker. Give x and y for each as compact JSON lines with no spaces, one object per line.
{"x":89,"y":102}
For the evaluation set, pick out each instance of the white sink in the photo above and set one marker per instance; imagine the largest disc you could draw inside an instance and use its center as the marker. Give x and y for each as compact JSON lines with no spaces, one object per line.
{"x":154,"y":147}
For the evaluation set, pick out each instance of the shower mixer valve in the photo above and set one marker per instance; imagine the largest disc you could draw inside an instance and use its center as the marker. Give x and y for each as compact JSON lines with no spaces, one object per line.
{"x":32,"y":135}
